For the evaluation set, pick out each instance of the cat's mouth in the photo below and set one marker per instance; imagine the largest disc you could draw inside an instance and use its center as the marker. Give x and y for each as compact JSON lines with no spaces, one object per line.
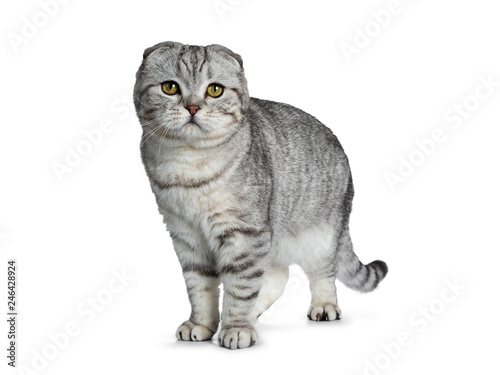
{"x":192,"y":123}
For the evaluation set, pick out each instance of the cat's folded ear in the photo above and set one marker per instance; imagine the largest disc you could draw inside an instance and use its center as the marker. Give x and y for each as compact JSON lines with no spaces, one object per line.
{"x":227,"y":51}
{"x":150,"y":50}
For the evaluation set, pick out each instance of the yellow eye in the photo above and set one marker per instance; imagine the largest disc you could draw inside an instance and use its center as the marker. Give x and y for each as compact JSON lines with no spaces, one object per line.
{"x":215,"y":90}
{"x":170,"y":87}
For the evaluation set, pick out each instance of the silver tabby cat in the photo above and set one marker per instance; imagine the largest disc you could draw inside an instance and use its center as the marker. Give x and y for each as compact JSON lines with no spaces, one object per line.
{"x":247,"y":187}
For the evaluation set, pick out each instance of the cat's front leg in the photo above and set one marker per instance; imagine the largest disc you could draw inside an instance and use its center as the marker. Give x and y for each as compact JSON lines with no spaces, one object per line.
{"x":202,"y":285}
{"x":242,"y":262}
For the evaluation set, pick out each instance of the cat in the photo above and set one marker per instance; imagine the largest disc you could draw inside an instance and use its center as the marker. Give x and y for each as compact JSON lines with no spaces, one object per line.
{"x":247,"y":187}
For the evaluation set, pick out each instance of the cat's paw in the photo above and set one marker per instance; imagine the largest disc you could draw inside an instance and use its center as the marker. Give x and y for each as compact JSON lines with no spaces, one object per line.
{"x":238,"y":337}
{"x":188,"y":331}
{"x":328,"y":311}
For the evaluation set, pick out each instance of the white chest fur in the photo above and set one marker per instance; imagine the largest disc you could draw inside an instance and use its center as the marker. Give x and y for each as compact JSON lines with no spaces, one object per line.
{"x":193,"y":195}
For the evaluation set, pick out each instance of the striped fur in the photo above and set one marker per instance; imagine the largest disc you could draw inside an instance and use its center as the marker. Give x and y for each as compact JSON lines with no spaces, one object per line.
{"x":246,"y":188}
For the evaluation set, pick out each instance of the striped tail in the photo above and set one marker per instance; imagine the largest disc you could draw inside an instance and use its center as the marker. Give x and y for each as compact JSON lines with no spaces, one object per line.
{"x":354,"y":274}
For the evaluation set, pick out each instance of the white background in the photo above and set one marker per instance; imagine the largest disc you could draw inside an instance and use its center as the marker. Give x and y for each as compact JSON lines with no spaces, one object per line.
{"x":438,"y":226}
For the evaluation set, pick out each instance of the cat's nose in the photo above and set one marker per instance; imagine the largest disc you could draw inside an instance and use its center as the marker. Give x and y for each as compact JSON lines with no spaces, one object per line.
{"x":192,"y":109}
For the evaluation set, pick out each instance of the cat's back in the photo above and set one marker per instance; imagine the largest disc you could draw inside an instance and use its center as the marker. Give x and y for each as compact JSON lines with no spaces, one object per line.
{"x":309,"y":165}
{"x":296,"y":135}
{"x":291,"y":126}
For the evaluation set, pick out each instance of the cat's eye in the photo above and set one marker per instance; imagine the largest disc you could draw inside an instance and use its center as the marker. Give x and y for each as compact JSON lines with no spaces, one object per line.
{"x":215,"y":90}
{"x":170,"y":87}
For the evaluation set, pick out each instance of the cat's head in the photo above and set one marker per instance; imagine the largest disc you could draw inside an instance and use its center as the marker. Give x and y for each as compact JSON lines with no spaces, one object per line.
{"x":191,"y":92}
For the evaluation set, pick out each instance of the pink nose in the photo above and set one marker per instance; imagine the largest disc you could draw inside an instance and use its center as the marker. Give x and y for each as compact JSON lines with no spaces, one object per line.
{"x":192,"y":109}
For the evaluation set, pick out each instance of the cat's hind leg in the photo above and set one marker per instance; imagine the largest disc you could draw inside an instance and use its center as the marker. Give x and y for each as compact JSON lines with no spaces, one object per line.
{"x":320,"y":268}
{"x":318,"y":261}
{"x":323,"y":295}
{"x":275,"y":279}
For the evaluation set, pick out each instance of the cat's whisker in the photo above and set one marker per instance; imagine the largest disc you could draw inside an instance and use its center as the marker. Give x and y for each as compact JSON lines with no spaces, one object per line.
{"x":149,"y":134}
{"x":147,"y":123}
{"x":153,"y":129}
{"x":161,"y":143}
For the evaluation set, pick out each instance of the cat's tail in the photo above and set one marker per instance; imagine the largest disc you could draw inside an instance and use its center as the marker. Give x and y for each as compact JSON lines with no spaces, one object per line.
{"x":354,"y":274}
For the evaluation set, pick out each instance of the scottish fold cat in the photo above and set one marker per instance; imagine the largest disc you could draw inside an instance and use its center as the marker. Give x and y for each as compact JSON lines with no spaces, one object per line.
{"x":246,"y":187}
